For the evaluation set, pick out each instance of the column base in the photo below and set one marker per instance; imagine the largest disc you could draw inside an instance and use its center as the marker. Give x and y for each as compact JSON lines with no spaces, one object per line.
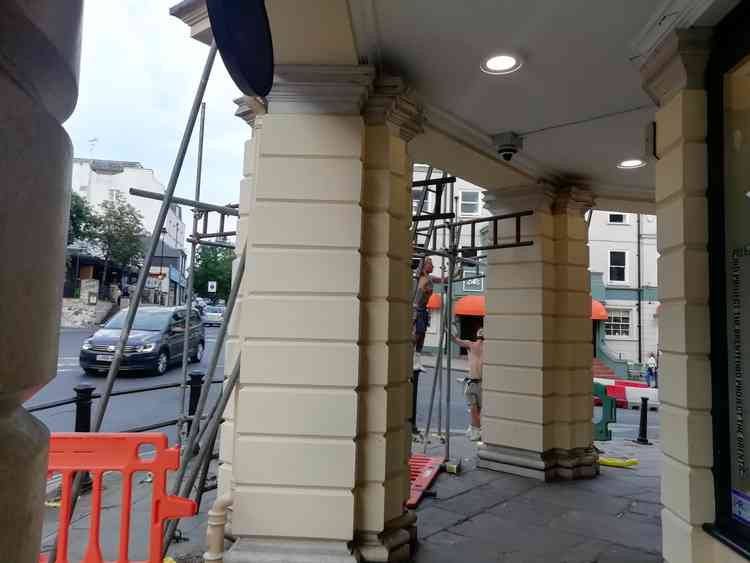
{"x":552,"y":465}
{"x":283,"y":550}
{"x":396,"y":543}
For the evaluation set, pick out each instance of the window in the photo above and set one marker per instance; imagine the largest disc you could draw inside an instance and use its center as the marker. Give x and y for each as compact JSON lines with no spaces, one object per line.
{"x":617,"y":266}
{"x":618,"y":323}
{"x":617,"y":219}
{"x":469,"y":203}
{"x":416,"y":197}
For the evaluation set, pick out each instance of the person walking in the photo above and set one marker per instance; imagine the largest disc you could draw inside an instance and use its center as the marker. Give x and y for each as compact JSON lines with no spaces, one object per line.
{"x":473,"y":383}
{"x":651,"y":370}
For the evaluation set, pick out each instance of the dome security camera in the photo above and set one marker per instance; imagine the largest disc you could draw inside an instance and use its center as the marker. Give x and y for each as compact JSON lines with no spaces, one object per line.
{"x":507,"y":144}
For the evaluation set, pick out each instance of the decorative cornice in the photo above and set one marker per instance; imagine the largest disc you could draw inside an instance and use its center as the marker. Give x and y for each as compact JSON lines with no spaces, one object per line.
{"x":194,"y":14}
{"x":671,"y":15}
{"x":331,"y":89}
{"x":536,"y":197}
{"x":391,"y":103}
{"x":250,"y":107}
{"x":679,"y":62}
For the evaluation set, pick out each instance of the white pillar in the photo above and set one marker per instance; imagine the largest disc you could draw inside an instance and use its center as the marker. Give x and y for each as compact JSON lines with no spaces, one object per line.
{"x":536,"y":417}
{"x":39,"y":42}
{"x":384,"y":530}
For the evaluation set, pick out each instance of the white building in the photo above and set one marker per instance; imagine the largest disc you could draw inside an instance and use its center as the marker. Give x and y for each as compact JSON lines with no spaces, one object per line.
{"x":100,"y":180}
{"x":622,"y":261}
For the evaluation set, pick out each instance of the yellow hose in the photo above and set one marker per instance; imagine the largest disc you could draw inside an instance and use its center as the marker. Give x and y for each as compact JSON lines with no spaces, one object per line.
{"x":615,"y":462}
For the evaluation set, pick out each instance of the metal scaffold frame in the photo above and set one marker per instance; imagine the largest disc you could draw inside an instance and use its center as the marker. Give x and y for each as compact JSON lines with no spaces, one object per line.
{"x":454,"y":256}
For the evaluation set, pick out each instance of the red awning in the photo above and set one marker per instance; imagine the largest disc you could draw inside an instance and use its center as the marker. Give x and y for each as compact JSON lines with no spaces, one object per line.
{"x":470,"y":305}
{"x":435,"y":301}
{"x":598,"y":312}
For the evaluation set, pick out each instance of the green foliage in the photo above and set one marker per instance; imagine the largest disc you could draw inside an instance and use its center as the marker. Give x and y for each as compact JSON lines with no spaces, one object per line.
{"x":213,"y":264}
{"x":120,"y":225}
{"x":83,"y":221}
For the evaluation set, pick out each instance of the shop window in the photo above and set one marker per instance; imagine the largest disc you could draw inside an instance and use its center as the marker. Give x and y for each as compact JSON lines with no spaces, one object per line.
{"x":618,"y":261}
{"x":618,"y":322}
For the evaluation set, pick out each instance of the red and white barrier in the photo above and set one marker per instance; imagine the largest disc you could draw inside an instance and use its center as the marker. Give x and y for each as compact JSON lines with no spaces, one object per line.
{"x":627,"y":394}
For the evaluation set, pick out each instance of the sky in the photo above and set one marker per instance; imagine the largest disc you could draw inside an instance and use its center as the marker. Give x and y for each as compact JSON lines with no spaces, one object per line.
{"x":139,"y":73}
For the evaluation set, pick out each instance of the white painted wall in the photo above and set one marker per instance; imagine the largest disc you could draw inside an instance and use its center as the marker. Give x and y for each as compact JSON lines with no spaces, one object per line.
{"x":604,"y":237}
{"x":98,"y":187}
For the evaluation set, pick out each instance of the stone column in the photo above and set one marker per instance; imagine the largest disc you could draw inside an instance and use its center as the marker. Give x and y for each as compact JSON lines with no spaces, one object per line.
{"x":384,"y":529}
{"x":295,"y":414}
{"x":39,"y":54}
{"x":536,"y":417}
{"x":674,"y":76}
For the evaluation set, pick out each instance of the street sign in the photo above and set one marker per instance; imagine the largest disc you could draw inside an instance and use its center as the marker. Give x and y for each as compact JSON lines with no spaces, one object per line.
{"x":212,"y":287}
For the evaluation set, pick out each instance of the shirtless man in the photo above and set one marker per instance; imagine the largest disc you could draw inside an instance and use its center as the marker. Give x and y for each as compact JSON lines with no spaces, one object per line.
{"x":473,"y":389}
{"x":425,"y":288}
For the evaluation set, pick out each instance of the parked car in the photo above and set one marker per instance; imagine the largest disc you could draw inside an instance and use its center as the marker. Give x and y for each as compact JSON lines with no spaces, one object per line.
{"x":213,"y":315}
{"x":155,"y":341}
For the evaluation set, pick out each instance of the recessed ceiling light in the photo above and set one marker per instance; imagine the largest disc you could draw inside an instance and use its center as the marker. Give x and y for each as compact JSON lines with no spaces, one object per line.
{"x":501,"y":64}
{"x":631,"y":163}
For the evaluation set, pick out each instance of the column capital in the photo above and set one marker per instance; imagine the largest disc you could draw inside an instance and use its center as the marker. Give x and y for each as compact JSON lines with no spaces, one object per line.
{"x":331,"y":89}
{"x":539,"y":197}
{"x":678,"y":63}
{"x":391,"y":104}
{"x":572,"y":199}
{"x":536,"y":197}
{"x":250,"y":107}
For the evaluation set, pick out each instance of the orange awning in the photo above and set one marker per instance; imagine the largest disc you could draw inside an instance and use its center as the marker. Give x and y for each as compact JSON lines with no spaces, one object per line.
{"x":470,"y":305}
{"x":598,"y":312}
{"x":435,"y":301}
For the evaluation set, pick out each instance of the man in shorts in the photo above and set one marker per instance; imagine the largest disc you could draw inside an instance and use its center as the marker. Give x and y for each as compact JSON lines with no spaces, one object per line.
{"x":473,"y":388}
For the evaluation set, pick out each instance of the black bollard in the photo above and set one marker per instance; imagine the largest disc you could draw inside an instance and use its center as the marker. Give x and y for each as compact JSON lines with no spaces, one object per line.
{"x":84,"y":394}
{"x":196,"y":382}
{"x":643,"y":426}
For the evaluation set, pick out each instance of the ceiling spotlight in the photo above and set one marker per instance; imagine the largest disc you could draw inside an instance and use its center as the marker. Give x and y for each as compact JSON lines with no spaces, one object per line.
{"x":501,"y":64}
{"x":631,"y":163}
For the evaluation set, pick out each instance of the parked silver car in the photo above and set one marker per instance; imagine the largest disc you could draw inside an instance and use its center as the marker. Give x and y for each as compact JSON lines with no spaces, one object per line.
{"x":213,"y":315}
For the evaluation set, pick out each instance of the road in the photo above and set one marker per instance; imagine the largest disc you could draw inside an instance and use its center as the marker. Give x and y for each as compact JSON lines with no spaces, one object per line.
{"x":146,"y":408}
{"x":123,"y":412}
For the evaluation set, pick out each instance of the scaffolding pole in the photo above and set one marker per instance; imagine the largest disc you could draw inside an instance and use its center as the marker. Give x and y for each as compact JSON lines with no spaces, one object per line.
{"x":191,"y":282}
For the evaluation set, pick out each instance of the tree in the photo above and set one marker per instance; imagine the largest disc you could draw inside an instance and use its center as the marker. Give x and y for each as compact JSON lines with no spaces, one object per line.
{"x":213,"y":264}
{"x":118,"y":234}
{"x":83,"y":221}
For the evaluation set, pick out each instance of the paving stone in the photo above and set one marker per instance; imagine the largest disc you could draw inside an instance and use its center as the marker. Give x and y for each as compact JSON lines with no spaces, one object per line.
{"x":574,"y":498}
{"x":477,"y":500}
{"x":521,"y":510}
{"x":512,"y":536}
{"x":640,"y":535}
{"x":433,"y":519}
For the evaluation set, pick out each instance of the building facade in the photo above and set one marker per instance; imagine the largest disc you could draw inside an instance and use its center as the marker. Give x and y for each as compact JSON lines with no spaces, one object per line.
{"x":101,"y":180}
{"x":624,"y":278}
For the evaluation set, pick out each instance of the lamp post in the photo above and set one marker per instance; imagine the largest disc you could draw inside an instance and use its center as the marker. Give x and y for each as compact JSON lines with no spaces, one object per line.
{"x":161,"y":267}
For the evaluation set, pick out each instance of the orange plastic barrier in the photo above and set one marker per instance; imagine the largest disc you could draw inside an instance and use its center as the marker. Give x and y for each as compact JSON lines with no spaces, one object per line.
{"x":71,"y":452}
{"x":422,"y":472}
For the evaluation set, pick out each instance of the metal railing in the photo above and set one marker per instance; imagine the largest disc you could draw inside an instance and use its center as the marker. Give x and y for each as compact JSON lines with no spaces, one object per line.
{"x":85,"y":395}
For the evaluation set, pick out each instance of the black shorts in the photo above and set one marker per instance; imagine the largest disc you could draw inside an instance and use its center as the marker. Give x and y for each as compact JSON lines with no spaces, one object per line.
{"x":421,"y":321}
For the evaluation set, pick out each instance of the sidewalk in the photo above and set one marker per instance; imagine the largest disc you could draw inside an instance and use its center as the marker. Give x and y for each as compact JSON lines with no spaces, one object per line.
{"x":478,"y":516}
{"x":482,"y":516}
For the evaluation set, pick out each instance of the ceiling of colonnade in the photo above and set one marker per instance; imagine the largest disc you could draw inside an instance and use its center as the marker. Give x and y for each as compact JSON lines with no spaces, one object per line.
{"x":577,"y":100}
{"x":581,"y":61}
